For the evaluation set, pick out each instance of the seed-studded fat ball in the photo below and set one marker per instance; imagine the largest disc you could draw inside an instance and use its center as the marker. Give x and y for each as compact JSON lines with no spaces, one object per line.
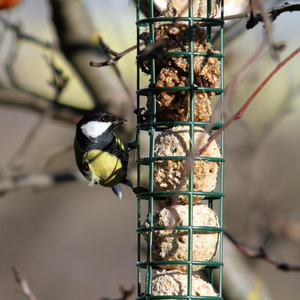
{"x":175,"y":283}
{"x":172,"y":244}
{"x":171,"y":175}
{"x":175,"y":105}
{"x":174,"y":71}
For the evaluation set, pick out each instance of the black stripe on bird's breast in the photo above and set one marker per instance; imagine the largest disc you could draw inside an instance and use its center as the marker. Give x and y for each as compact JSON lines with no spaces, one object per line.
{"x":119,"y":150}
{"x":115,"y":148}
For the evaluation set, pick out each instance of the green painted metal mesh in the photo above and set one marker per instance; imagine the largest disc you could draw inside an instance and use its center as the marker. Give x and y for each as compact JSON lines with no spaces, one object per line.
{"x":149,"y":128}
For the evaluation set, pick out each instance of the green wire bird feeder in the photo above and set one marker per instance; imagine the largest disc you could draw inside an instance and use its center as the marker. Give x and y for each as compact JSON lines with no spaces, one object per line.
{"x":179,"y":105}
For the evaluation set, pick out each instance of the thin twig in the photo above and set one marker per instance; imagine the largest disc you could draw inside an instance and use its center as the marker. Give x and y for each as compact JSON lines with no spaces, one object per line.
{"x":208,"y":128}
{"x":108,"y":51}
{"x":261,"y":253}
{"x":116,"y":56}
{"x":18,"y":157}
{"x":59,"y":82}
{"x":240,"y":113}
{"x":125,"y":293}
{"x":24,"y":36}
{"x":273,"y":13}
{"x":194,"y":151}
{"x":9,"y":66}
{"x":36,"y":182}
{"x":22,"y":284}
{"x":57,"y":154}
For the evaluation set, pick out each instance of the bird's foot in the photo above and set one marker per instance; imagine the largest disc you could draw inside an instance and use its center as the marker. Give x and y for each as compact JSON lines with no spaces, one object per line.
{"x":139,"y":190}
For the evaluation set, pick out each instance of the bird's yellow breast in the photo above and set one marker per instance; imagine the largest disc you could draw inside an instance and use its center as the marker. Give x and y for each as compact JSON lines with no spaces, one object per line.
{"x":106,"y":169}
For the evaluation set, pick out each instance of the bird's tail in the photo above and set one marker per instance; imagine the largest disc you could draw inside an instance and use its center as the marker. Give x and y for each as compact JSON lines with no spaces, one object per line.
{"x":118,"y":191}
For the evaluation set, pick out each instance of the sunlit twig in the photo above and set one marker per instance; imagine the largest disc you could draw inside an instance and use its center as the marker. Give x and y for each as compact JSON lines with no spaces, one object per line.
{"x":22,"y":284}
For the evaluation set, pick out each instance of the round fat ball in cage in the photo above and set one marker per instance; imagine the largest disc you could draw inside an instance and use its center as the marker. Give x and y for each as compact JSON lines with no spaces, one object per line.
{"x":175,"y":283}
{"x":171,"y":175}
{"x":174,"y":71}
{"x":172,"y":244}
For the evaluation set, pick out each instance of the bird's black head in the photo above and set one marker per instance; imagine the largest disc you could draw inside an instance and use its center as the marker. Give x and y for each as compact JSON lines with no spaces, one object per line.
{"x":95,"y":130}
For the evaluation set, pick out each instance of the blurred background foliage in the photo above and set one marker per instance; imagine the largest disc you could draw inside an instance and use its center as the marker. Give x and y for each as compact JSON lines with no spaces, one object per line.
{"x":76,"y":242}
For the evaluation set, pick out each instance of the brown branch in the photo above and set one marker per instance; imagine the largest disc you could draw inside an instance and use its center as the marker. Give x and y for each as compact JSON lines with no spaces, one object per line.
{"x":78,"y":46}
{"x":261,"y":253}
{"x":9,"y":66}
{"x":125,"y":293}
{"x":273,"y":13}
{"x":22,"y":284}
{"x":240,"y":113}
{"x":57,"y":154}
{"x":20,"y":99}
{"x":59,"y":82}
{"x":37,"y":181}
{"x":194,"y":152}
{"x":17,"y":158}
{"x":24,"y":36}
{"x":111,"y":60}
{"x":208,"y":128}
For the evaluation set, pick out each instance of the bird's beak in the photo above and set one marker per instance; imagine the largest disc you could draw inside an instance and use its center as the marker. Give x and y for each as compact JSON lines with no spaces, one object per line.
{"x":119,"y":121}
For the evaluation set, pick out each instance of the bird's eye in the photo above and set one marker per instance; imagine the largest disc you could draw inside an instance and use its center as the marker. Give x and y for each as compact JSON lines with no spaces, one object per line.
{"x":102,"y":119}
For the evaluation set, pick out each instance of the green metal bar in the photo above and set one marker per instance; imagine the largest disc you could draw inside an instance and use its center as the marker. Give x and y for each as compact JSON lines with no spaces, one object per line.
{"x":154,"y":90}
{"x":185,"y":53}
{"x":210,"y":264}
{"x":223,"y":153}
{"x":180,"y":297}
{"x":214,"y":199}
{"x":160,"y":126}
{"x":206,"y":21}
{"x":146,"y":160}
{"x":191,"y":167}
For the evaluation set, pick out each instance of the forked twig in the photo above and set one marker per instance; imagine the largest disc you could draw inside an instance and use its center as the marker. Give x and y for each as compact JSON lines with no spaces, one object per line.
{"x":115,"y":56}
{"x":112,"y":59}
{"x":24,"y":36}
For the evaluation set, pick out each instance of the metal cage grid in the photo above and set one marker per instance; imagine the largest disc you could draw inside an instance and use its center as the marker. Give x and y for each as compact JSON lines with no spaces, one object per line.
{"x":145,"y":264}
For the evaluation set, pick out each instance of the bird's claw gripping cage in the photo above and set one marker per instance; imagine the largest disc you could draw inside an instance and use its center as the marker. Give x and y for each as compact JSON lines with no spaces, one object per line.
{"x":178,"y":58}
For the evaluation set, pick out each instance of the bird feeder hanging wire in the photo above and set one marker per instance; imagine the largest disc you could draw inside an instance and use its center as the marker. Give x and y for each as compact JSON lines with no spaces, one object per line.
{"x":145,"y":266}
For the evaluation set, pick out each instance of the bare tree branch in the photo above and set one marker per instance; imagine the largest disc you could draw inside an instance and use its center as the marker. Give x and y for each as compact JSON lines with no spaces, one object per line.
{"x":22,"y":284}
{"x":9,"y":66}
{"x":261,"y":253}
{"x":112,"y":61}
{"x":21,"y":99}
{"x":116,"y":56}
{"x":79,"y":48}
{"x":59,"y":82}
{"x":24,"y":36}
{"x":125,"y":293}
{"x":34,"y":182}
{"x":240,"y":113}
{"x":273,"y":13}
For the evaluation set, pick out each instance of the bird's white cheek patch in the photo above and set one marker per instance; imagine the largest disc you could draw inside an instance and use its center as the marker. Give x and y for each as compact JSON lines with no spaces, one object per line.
{"x":94,"y":129}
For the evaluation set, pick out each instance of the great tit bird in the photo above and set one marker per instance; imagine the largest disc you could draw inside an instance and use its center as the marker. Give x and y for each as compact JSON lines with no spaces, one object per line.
{"x":101,"y":156}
